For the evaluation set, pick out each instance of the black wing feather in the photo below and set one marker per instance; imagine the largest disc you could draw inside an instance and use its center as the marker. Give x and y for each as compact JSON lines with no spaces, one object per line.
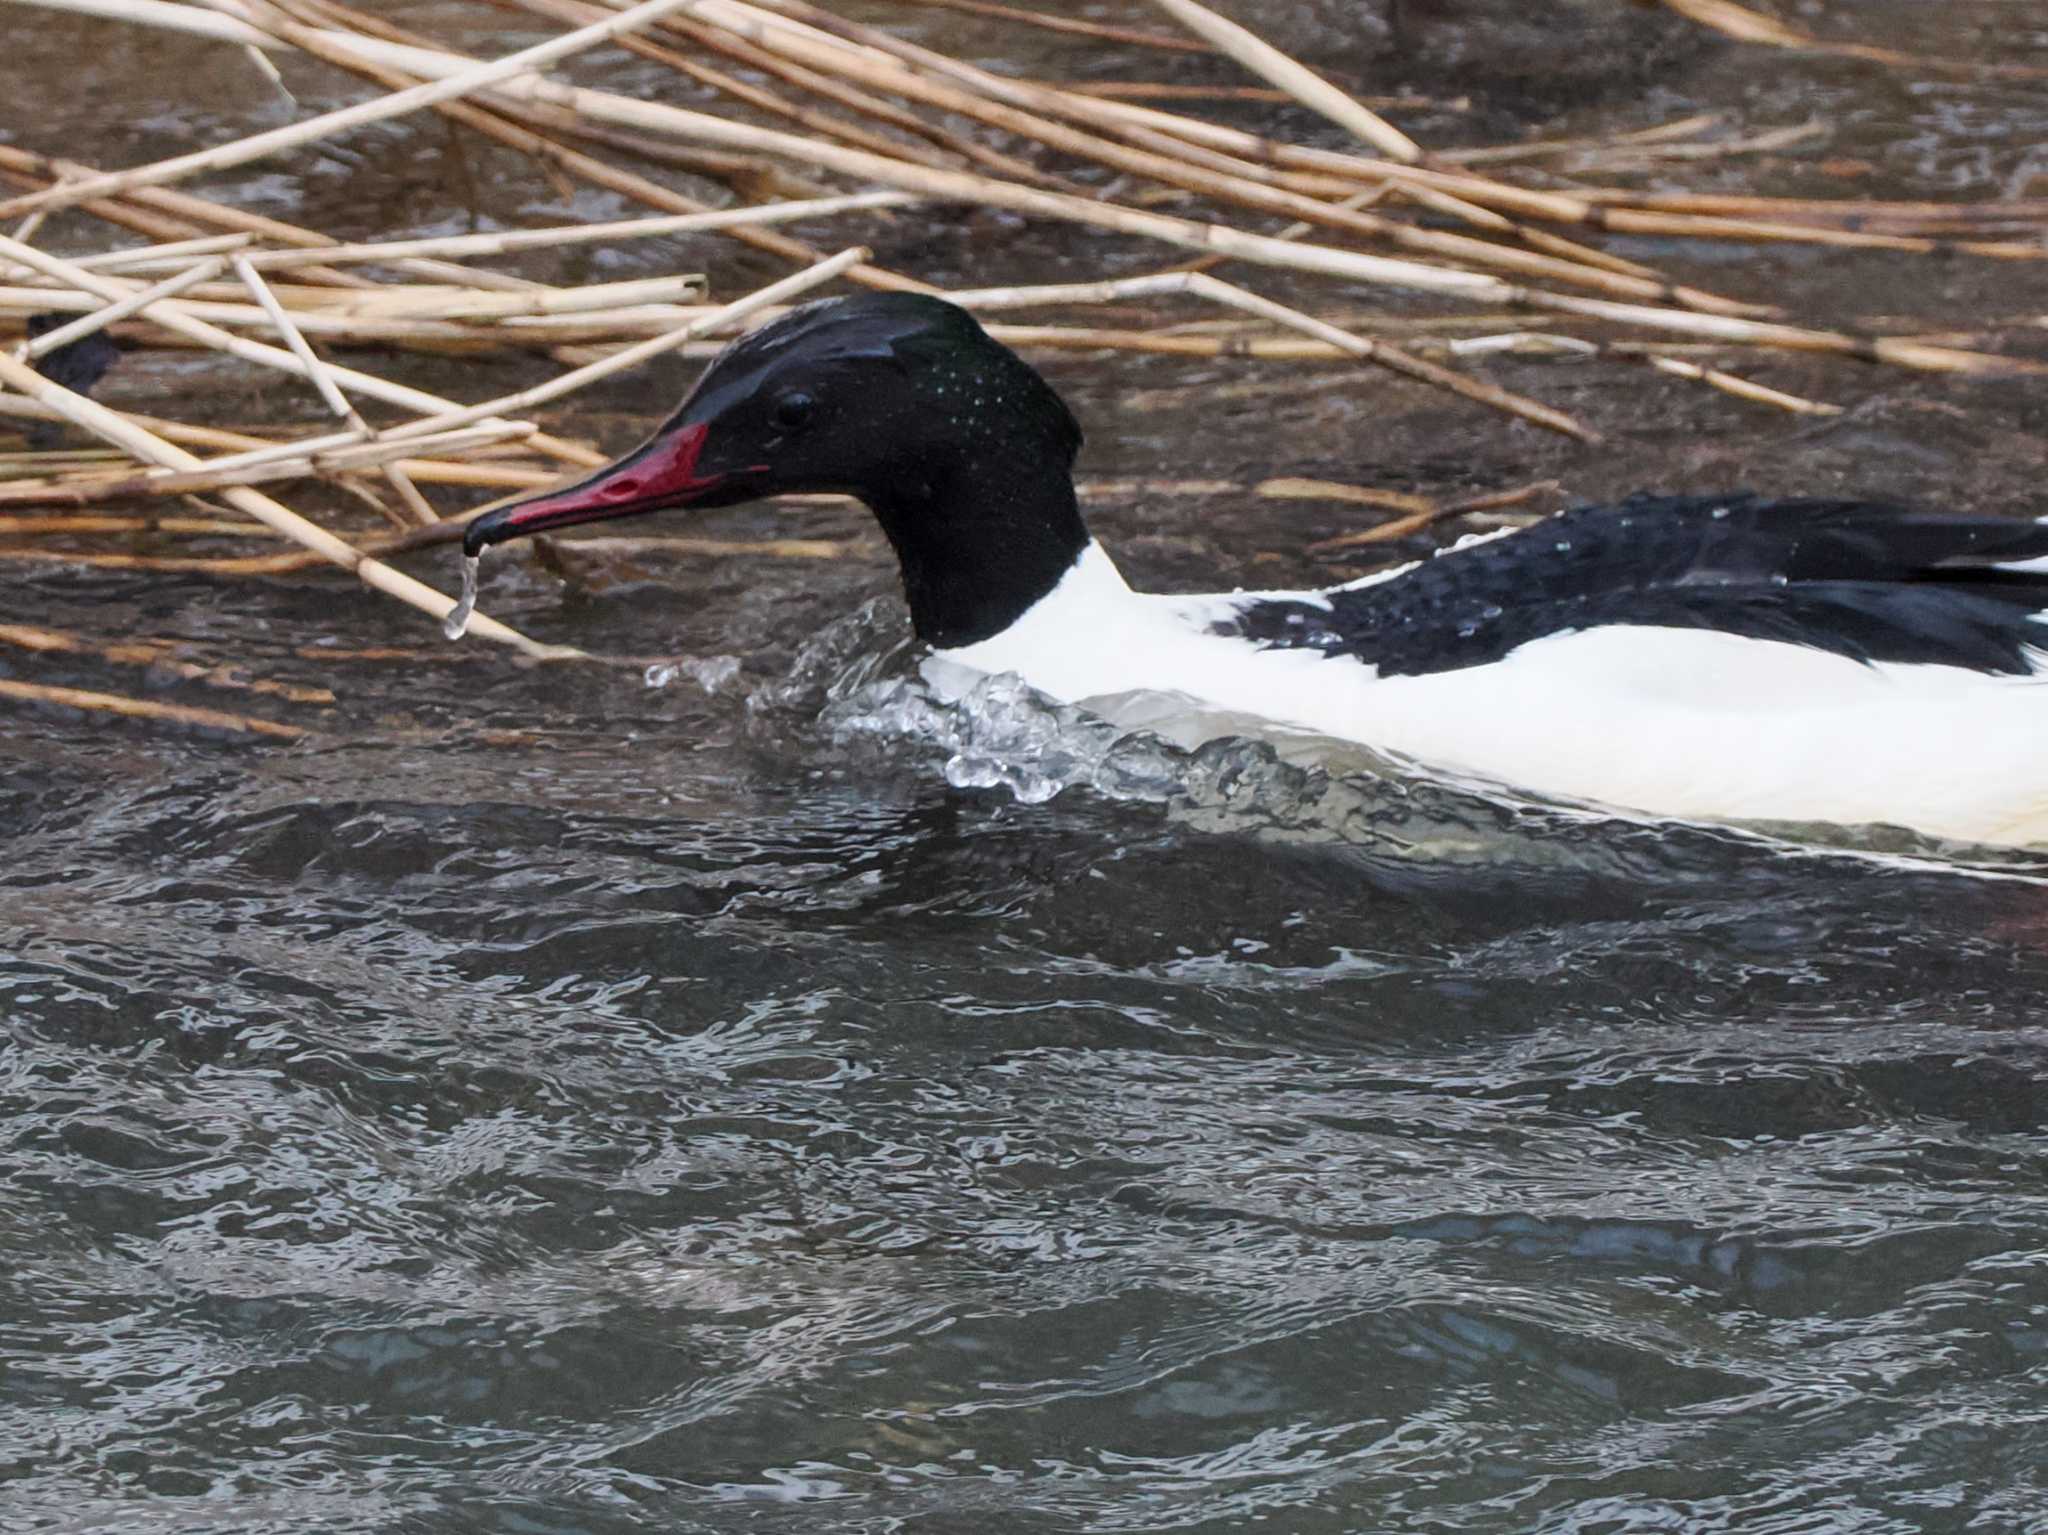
{"x":1856,"y":579}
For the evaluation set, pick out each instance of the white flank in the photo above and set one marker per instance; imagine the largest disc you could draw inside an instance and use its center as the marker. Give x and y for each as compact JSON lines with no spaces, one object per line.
{"x":1685,"y":723}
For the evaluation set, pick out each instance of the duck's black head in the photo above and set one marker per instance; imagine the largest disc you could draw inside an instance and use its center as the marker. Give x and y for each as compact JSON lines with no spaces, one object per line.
{"x":964,"y":454}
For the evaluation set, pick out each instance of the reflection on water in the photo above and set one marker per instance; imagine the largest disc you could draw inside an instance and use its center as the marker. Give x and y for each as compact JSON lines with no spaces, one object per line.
{"x":755,"y":1094}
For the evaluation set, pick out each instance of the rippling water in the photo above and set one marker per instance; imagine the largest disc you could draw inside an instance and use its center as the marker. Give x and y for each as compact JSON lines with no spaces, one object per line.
{"x":796,"y":1136}
{"x":756,"y":1094}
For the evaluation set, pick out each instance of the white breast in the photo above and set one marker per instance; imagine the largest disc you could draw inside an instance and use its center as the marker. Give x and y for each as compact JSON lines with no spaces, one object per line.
{"x":1686,"y":723}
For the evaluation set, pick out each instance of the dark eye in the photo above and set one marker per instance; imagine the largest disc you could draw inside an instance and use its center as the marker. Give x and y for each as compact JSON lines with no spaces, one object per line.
{"x":793,"y":411}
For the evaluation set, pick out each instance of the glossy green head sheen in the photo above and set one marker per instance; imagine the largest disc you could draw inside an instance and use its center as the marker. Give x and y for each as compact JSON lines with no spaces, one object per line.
{"x":964,"y":454}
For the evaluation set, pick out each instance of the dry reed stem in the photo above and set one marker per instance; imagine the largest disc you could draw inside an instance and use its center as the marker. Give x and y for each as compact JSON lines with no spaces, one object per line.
{"x":412,"y":434}
{"x":1198,"y":340}
{"x":156,"y":654}
{"x":967,"y":187}
{"x":148,"y":211}
{"x":1422,"y":517}
{"x":819,"y":85}
{"x":1743,"y":25}
{"x":348,"y":449}
{"x":34,"y":461}
{"x":118,"y":309}
{"x":765,"y":100}
{"x":266,"y":447}
{"x":1294,"y":488}
{"x":343,"y":458}
{"x":1298,"y":231}
{"x":1250,"y":185}
{"x":1283,"y":73}
{"x":1557,"y":207}
{"x":832,"y":86}
{"x":1249,"y":160}
{"x":169,"y":565}
{"x":854,"y":66}
{"x":169,"y":15}
{"x":1155,"y":90}
{"x":554,"y":159}
{"x":1749,"y":26}
{"x":552,"y":156}
{"x":212,"y":298}
{"x":94,"y":489}
{"x":398,"y":304}
{"x":466,"y":332}
{"x":1130,"y":37}
{"x":1202,"y":285}
{"x":796,"y":22}
{"x":1633,"y":159}
{"x":261,"y":145}
{"x":190,"y":527}
{"x":2017,"y":208}
{"x":1593,"y":209}
{"x":1314,"y":258}
{"x":507,"y":242}
{"x":114,"y":428}
{"x":1536,"y":149}
{"x":1031,"y":110}
{"x":1892,"y":349}
{"x":19,"y":408}
{"x":148,"y":709}
{"x":567,"y":383}
{"x":522,"y":331}
{"x":1757,"y":231}
{"x":263,"y":566}
{"x":1178,"y":341}
{"x":1743,"y":388}
{"x":316,"y":370}
{"x":169,"y":313}
{"x":1728,"y":383}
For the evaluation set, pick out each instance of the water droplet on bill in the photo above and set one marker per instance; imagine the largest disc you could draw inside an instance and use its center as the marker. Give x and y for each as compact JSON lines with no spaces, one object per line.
{"x":457,"y":621}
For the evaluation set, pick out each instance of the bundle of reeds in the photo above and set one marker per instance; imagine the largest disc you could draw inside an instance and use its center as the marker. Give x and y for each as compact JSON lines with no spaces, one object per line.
{"x":856,"y":122}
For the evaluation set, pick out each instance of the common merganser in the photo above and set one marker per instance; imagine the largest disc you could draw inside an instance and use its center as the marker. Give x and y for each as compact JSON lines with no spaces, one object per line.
{"x":1721,"y":658}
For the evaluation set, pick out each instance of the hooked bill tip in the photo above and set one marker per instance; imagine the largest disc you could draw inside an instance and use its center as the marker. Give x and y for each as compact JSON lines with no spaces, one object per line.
{"x":661,"y":472}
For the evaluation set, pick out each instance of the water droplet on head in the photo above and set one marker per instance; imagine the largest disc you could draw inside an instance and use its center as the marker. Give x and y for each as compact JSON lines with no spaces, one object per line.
{"x":457,"y":621}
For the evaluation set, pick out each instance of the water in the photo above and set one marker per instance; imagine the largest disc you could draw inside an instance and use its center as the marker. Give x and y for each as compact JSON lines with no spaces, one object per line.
{"x":737,"y":1090}
{"x":456,"y":624}
{"x":638,"y":1134}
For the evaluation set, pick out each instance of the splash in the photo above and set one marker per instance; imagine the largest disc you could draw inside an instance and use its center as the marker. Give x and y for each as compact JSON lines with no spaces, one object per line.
{"x":837,"y":661}
{"x":714,"y":674}
{"x":998,"y":733}
{"x":862,"y":679}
